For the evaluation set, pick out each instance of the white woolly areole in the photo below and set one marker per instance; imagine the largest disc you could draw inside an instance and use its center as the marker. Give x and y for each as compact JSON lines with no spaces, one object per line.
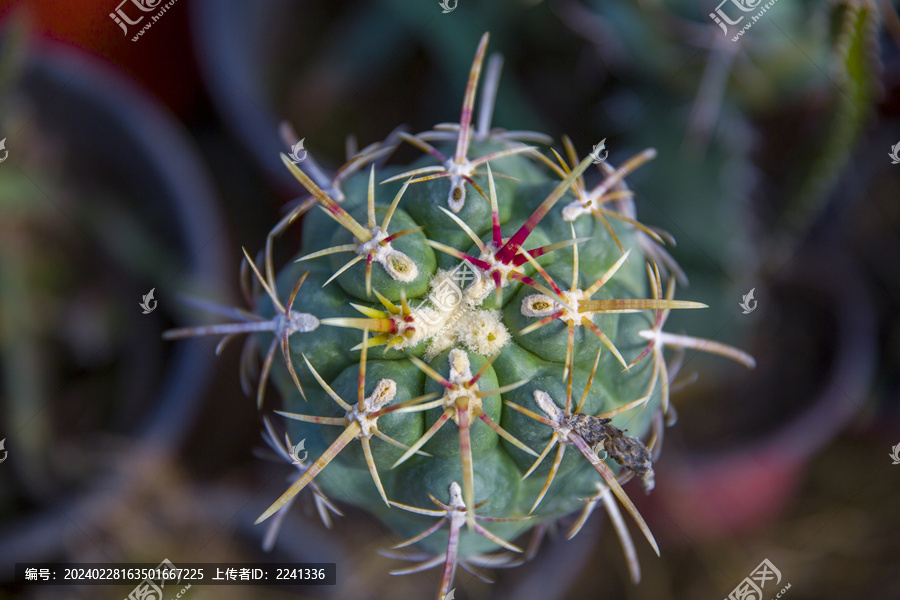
{"x":479,"y":289}
{"x":297,"y":322}
{"x":460,"y":375}
{"x":456,"y":199}
{"x":384,"y":392}
{"x":460,"y":368}
{"x":587,"y":201}
{"x":540,"y":305}
{"x":483,"y":332}
{"x":554,"y":413}
{"x":457,"y":512}
{"x":576,"y":208}
{"x":454,"y":319}
{"x":484,"y":284}
{"x":397,"y":264}
{"x":546,"y":404}
{"x":456,"y":499}
{"x":480,"y":331}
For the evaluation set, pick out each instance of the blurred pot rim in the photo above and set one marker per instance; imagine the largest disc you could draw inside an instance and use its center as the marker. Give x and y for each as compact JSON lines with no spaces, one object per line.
{"x":167,"y":155}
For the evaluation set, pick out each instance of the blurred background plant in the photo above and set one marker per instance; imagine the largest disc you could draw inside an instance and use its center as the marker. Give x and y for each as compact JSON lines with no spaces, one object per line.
{"x":772,"y":174}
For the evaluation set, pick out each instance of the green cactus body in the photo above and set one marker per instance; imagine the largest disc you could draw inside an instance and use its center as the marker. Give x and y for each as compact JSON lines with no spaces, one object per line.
{"x":539,"y":355}
{"x":459,"y":329}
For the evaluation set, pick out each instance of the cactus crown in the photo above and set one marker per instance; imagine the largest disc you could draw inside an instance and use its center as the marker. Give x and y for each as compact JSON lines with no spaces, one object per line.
{"x":504,"y":309}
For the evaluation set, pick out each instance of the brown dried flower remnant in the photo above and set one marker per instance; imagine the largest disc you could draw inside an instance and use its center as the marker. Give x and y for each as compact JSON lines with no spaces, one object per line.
{"x":629,"y":452}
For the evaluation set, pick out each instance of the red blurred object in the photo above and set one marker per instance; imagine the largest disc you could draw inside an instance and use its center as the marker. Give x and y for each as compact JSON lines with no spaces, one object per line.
{"x":728,"y":497}
{"x":161,"y":59}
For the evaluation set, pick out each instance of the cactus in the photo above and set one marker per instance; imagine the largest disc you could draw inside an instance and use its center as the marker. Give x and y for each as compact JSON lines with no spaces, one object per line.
{"x":449,"y":324}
